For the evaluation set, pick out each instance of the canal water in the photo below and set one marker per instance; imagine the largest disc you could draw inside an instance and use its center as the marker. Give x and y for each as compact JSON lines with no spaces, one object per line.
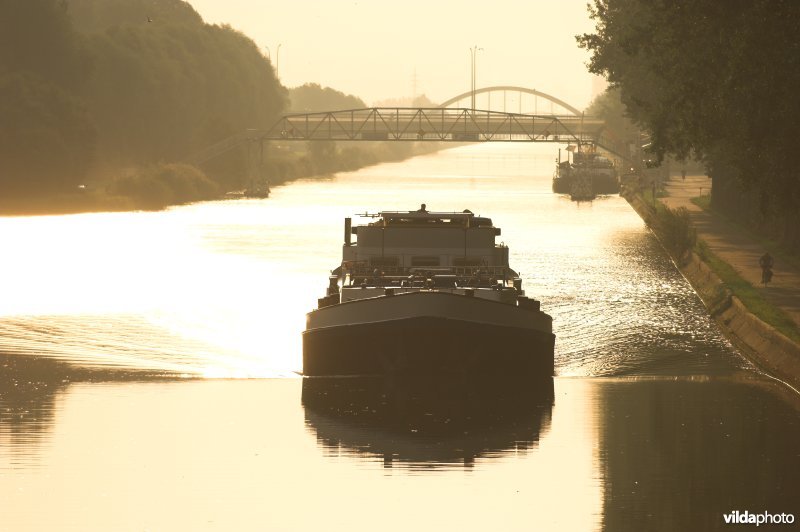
{"x":176,"y":340}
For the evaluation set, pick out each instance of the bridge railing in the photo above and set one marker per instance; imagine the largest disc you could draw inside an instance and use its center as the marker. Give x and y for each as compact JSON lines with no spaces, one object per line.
{"x":424,"y":124}
{"x":435,"y":124}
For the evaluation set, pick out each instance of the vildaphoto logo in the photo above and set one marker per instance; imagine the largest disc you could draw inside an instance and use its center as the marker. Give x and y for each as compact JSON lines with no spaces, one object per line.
{"x":763,"y":518}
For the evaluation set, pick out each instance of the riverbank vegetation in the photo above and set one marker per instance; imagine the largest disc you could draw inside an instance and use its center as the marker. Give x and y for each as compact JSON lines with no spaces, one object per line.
{"x":98,"y":91}
{"x":750,"y":296}
{"x":772,"y":246}
{"x":609,"y":107}
{"x":101,"y":100}
{"x":673,"y":227}
{"x":314,"y":98}
{"x":715,"y":81}
{"x":675,"y":232}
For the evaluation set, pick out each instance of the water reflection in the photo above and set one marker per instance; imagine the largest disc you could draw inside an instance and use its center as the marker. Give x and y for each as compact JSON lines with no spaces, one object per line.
{"x":427,"y":422}
{"x":614,"y":454}
{"x":27,"y":412}
{"x":678,"y":455}
{"x":31,"y":386}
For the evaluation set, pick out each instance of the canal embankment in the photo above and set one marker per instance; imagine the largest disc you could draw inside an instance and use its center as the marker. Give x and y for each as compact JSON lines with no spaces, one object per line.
{"x":160,"y":186}
{"x":765,"y":345}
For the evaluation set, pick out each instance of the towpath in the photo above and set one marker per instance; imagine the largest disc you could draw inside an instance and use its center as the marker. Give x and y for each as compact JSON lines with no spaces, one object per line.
{"x":735,"y":247}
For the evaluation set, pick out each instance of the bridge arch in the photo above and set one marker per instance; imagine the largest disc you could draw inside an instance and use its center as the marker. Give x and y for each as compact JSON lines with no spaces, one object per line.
{"x":511,"y":88}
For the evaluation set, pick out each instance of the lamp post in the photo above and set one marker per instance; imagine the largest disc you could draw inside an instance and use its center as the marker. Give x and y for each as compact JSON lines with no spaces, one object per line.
{"x":473,"y":54}
{"x":278,"y":61}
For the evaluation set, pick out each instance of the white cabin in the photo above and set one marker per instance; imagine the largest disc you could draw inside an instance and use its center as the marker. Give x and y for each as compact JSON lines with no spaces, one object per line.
{"x":422,"y":239}
{"x":412,"y":251}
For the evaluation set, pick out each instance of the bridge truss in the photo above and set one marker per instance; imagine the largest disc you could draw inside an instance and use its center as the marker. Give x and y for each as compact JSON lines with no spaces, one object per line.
{"x":433,"y":124}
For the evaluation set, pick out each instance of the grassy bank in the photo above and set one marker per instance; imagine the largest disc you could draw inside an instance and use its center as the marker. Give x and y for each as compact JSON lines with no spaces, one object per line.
{"x":157,"y":187}
{"x":774,"y":247}
{"x":149,"y":188}
{"x":749,"y":295}
{"x":679,"y":237}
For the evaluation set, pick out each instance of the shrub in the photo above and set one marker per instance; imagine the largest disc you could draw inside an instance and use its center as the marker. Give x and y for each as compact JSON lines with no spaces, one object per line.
{"x":166,"y":184}
{"x":676,"y":231}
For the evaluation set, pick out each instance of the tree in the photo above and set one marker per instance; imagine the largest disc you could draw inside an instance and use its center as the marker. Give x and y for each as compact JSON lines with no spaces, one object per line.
{"x":97,"y":16}
{"x":37,"y":37}
{"x":313,"y":98}
{"x":609,"y":107}
{"x":46,"y":136}
{"x":163,"y":91}
{"x":714,"y":79}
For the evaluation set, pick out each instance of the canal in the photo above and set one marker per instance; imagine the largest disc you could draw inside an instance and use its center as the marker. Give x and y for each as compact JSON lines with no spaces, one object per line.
{"x":653,"y":422}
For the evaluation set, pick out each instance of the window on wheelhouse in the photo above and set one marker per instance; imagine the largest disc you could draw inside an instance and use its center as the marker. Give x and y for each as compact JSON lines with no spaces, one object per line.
{"x":467,"y":261}
{"x":391,"y":261}
{"x":425,"y":261}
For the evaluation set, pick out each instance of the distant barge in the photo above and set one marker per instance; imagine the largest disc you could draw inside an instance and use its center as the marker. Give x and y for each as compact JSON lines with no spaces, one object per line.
{"x":588,"y":175}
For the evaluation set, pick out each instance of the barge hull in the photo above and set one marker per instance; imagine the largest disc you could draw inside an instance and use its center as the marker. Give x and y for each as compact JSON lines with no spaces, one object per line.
{"x":427,"y":345}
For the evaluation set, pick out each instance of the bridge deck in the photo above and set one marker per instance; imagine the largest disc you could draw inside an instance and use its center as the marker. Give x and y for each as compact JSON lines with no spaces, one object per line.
{"x":434,"y":124}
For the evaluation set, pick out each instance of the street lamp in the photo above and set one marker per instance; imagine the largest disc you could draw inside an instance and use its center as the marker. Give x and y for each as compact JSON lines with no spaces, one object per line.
{"x":277,"y":59}
{"x":473,"y":54}
{"x":278,"y":62}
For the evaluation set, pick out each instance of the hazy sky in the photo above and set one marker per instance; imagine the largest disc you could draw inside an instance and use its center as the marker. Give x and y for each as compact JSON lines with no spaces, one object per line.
{"x":373,"y":48}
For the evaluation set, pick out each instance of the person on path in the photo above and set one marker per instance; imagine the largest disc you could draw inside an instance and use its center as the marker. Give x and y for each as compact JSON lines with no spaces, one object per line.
{"x":766,"y":262}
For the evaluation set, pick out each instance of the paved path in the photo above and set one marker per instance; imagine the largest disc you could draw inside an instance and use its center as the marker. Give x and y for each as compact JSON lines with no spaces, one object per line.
{"x":738,"y":250}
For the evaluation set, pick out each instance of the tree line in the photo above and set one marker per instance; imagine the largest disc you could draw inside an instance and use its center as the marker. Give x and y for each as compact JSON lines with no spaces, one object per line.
{"x":96,"y":87}
{"x":100,"y":98}
{"x":715,"y":81}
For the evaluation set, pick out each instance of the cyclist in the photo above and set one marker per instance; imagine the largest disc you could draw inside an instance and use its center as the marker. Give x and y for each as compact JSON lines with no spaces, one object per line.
{"x":766,"y":262}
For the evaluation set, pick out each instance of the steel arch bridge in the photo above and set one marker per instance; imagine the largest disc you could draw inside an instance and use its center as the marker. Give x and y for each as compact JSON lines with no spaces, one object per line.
{"x":505,"y":89}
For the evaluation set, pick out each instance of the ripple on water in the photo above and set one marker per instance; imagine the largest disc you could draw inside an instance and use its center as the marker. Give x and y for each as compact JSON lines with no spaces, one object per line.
{"x":221,"y":288}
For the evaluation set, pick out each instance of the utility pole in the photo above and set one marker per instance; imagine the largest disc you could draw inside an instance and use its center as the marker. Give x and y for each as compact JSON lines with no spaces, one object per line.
{"x":473,"y":53}
{"x":414,"y":86}
{"x":278,"y":62}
